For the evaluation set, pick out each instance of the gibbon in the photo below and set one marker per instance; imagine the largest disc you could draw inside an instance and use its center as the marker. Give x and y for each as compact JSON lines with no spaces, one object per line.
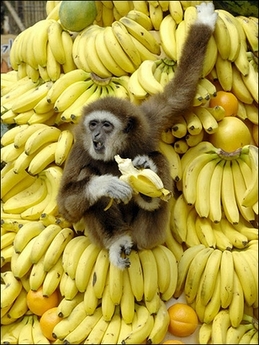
{"x":111,"y":126}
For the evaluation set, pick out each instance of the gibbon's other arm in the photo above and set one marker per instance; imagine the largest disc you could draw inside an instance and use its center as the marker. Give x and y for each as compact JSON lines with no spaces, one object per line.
{"x":178,"y":95}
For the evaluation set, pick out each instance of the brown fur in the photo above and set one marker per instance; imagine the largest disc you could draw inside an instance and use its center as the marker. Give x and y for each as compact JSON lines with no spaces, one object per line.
{"x":142,"y":126}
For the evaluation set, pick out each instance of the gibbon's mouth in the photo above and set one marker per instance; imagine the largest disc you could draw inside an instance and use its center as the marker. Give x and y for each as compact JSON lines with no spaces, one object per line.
{"x":98,"y":145}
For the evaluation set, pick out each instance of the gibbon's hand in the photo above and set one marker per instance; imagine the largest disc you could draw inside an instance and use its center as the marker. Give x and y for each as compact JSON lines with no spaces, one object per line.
{"x":206,"y":14}
{"x":109,"y":186}
{"x":144,"y":162}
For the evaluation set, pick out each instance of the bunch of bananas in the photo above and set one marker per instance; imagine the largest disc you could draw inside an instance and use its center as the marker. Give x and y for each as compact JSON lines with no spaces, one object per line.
{"x":62,"y":101}
{"x":216,"y":183}
{"x":110,"y":11}
{"x":26,"y":330}
{"x":189,"y":228}
{"x":232,"y":57}
{"x":117,"y":49}
{"x":212,"y":279}
{"x":45,"y":55}
{"x":220,"y":330}
{"x":95,"y":329}
{"x":27,"y":197}
{"x":33,"y":157}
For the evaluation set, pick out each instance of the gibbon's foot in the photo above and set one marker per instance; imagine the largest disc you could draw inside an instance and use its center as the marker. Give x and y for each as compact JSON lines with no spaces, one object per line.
{"x":123,"y":245}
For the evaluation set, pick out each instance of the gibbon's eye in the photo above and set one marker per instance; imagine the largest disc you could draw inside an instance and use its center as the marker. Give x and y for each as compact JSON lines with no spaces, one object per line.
{"x":92,"y":125}
{"x":108,"y":127}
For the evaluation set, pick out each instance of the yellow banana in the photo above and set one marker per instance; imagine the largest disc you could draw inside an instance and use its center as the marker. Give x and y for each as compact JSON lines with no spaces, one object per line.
{"x":28,"y":197}
{"x":42,"y":242}
{"x":40,"y":137}
{"x":37,"y":275}
{"x":28,"y":100}
{"x":127,"y":303}
{"x":224,"y":73}
{"x":194,"y":125}
{"x":115,"y":283}
{"x":117,"y":52}
{"x":156,"y":15}
{"x":176,"y":11}
{"x":124,"y":39}
{"x":11,"y":290}
{"x":228,"y":197}
{"x":143,"y":327}
{"x":25,"y":234}
{"x":40,"y":41}
{"x":52,"y":278}
{"x":53,"y":67}
{"x":203,"y":188}
{"x":222,"y":38}
{"x":84,"y":328}
{"x":65,"y":307}
{"x":57,"y":247}
{"x":71,"y":94}
{"x":210,"y":275}
{"x":141,"y":17}
{"x":85,"y":265}
{"x":136,"y":275}
{"x":42,"y":159}
{"x":100,"y":272}
{"x":226,"y":278}
{"x":106,"y":57}
{"x":56,"y":43}
{"x":108,"y":307}
{"x":21,"y":263}
{"x":235,"y":41}
{"x":64,"y":81}
{"x":141,"y":34}
{"x":64,"y":144}
{"x":21,"y":137}
{"x":150,"y":273}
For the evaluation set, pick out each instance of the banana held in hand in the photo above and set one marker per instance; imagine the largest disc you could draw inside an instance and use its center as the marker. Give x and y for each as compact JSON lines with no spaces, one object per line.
{"x":143,"y":181}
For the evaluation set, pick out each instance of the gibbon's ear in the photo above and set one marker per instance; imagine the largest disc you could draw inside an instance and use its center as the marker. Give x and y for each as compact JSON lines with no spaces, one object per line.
{"x":130,"y":125}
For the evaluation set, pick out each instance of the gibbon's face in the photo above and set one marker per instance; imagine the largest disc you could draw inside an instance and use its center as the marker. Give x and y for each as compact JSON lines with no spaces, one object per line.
{"x":104,"y":135}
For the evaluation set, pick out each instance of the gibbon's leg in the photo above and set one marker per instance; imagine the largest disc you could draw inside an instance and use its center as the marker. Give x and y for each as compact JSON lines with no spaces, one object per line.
{"x":152,"y":214}
{"x":149,"y":227}
{"x":108,"y":229}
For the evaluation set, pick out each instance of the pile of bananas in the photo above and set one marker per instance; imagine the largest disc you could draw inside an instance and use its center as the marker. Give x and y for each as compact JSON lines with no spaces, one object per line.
{"x":213,"y":279}
{"x":220,"y":330}
{"x":54,"y":257}
{"x":210,"y":246}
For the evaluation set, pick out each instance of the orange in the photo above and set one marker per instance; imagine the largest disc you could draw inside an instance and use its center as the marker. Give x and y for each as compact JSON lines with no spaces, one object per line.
{"x":173,"y":341}
{"x":48,"y":321}
{"x":232,"y":133}
{"x":227,"y":100}
{"x":183,"y":320}
{"x":38,"y":304}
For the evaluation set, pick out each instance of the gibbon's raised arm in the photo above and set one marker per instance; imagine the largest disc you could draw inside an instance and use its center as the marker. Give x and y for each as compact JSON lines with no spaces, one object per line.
{"x":178,"y":95}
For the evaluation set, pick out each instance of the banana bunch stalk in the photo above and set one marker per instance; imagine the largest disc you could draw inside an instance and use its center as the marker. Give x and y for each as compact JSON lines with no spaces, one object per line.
{"x":144,"y":181}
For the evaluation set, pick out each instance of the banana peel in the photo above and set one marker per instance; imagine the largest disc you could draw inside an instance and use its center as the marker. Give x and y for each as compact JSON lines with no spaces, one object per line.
{"x":144,"y":181}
